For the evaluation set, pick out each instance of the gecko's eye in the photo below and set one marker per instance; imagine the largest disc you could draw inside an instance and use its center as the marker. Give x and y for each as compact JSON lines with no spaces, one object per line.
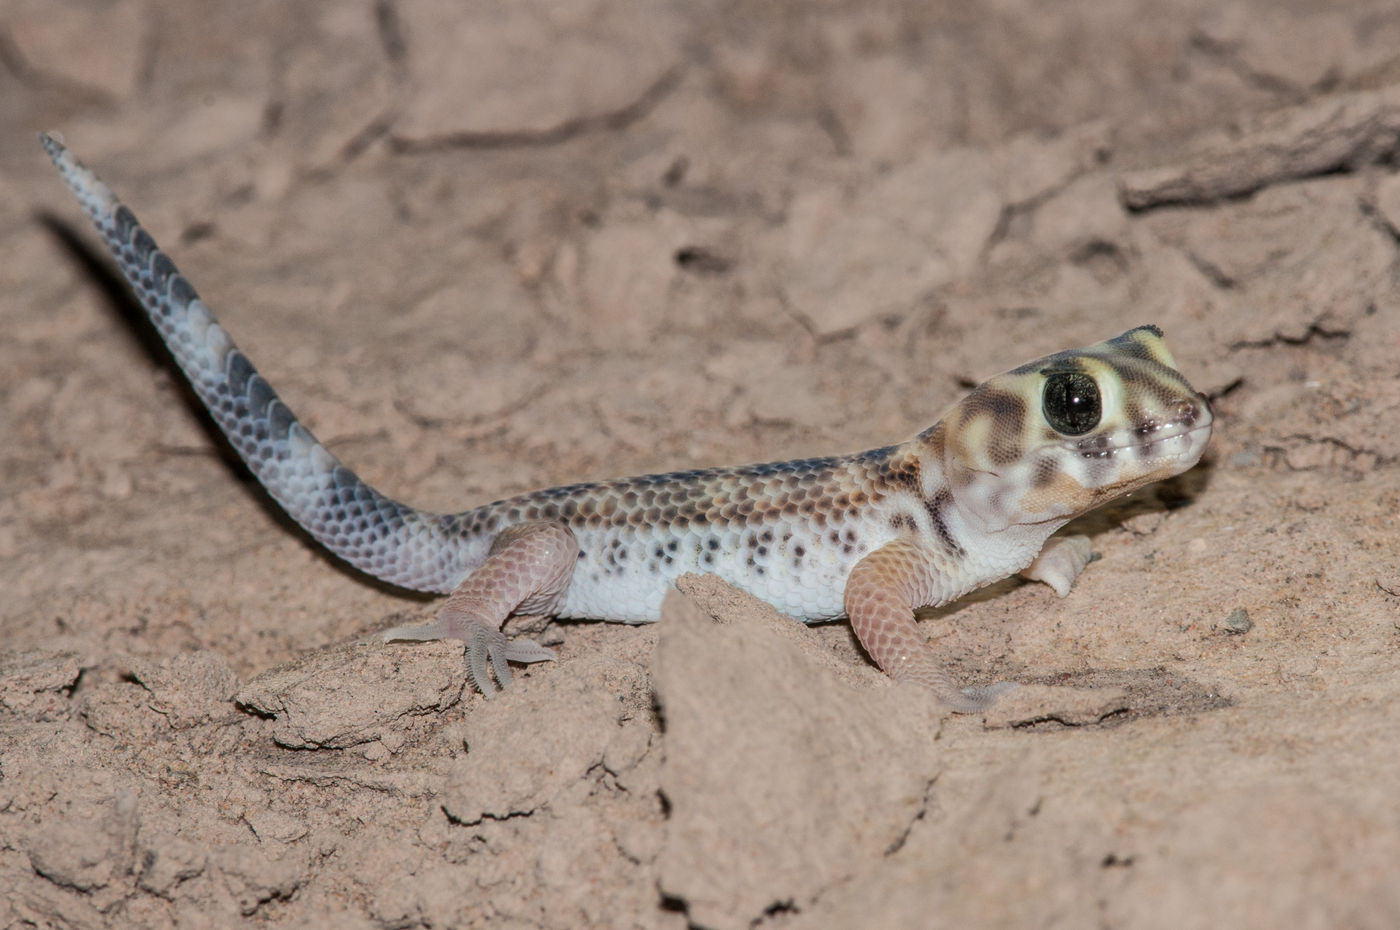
{"x":1071,"y":402}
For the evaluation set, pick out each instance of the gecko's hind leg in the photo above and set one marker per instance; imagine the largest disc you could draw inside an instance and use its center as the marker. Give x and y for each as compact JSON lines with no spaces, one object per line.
{"x":527,"y":571}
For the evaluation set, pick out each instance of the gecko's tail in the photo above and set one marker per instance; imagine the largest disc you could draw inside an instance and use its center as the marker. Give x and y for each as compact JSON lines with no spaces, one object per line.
{"x":379,"y":536}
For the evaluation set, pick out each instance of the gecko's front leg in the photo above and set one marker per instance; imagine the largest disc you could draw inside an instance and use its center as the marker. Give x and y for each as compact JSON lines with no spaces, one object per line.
{"x":527,"y":571}
{"x":882,"y":592}
{"x":1060,"y":562}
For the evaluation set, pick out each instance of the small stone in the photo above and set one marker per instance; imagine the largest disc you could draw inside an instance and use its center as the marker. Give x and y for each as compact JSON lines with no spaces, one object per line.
{"x":1238,"y":622}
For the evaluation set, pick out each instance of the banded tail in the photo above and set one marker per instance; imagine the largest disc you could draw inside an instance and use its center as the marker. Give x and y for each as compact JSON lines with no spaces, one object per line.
{"x":391,"y":541}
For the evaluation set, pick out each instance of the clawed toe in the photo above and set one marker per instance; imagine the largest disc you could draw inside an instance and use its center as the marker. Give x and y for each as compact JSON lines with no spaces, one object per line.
{"x":526,"y":651}
{"x":979,"y":699}
{"x":486,"y":644}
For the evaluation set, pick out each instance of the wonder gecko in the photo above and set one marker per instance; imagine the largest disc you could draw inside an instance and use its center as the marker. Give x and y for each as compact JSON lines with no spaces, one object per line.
{"x":872,"y":536}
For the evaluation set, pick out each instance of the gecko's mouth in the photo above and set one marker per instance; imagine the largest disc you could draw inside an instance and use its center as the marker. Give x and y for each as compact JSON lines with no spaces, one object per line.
{"x":1151,"y":440}
{"x":1148,"y":448}
{"x":1190,"y":441}
{"x":1144,"y":461}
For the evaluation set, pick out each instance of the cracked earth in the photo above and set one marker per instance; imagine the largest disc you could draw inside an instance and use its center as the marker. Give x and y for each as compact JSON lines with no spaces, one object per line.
{"x":485,"y":249}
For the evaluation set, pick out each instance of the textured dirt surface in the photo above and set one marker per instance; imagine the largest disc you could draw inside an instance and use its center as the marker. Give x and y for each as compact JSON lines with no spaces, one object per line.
{"x":483,"y":248}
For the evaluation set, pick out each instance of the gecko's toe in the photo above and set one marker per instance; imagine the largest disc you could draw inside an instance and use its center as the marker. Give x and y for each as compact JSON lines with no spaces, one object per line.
{"x":526,"y":651}
{"x":488,"y":645}
{"x":979,"y":699}
{"x":422,"y":632}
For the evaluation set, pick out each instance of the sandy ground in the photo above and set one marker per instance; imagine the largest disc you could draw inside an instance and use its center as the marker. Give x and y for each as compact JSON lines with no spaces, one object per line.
{"x":483,"y":248}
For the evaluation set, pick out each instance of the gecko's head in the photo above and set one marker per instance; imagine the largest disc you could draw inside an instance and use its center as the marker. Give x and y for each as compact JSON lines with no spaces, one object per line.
{"x":1065,"y":433}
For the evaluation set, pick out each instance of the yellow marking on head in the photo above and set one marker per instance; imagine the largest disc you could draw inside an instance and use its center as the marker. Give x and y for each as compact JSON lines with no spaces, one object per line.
{"x":1152,"y":343}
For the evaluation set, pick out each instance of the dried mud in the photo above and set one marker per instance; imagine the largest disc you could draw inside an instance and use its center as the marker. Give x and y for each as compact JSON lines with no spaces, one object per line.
{"x":487,"y":248}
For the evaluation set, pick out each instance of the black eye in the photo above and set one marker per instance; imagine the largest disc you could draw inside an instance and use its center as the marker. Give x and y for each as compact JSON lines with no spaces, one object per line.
{"x":1071,"y":402}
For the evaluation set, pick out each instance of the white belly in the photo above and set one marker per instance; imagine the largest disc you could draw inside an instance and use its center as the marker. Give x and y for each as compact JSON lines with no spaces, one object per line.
{"x":800,"y":567}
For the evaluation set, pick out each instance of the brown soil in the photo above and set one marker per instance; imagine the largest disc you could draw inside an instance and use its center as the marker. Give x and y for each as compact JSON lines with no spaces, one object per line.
{"x":492,"y":247}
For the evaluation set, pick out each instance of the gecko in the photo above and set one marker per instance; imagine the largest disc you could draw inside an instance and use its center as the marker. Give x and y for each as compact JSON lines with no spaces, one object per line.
{"x":871,"y":536}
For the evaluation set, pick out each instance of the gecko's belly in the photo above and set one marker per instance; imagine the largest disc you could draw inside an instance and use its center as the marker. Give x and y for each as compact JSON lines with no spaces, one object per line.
{"x":798,"y":567}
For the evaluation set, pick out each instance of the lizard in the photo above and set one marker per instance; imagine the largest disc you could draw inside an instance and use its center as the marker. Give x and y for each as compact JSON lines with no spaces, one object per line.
{"x":871,"y":536}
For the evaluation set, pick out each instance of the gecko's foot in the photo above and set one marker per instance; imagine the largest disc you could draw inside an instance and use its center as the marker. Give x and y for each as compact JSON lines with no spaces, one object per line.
{"x":980,"y":699}
{"x":486,"y":644}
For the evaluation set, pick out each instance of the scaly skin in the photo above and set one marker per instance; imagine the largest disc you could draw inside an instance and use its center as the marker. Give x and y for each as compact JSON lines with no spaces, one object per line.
{"x":873,"y":536}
